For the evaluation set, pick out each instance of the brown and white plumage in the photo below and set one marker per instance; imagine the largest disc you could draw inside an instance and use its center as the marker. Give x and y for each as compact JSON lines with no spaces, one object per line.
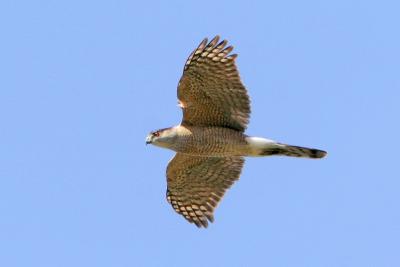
{"x":210,"y":91}
{"x":210,"y":141}
{"x":196,"y":184}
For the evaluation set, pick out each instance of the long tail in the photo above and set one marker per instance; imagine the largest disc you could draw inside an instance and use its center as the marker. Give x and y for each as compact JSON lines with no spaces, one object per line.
{"x":293,"y":151}
{"x":264,"y":147}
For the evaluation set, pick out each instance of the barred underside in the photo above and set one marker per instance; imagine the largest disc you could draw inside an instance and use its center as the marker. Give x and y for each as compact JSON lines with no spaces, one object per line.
{"x":197,"y":184}
{"x":210,"y":91}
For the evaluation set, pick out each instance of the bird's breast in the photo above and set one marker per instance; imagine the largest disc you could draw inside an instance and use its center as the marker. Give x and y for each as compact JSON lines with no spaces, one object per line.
{"x":211,"y":141}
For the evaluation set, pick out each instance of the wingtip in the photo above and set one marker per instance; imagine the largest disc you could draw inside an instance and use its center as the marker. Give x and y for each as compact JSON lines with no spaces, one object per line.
{"x":214,"y":41}
{"x":200,"y":223}
{"x":232,"y":56}
{"x":203,"y":43}
{"x":216,"y":37}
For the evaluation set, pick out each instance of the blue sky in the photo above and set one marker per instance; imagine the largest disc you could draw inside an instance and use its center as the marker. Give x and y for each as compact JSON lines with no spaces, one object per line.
{"x":83,"y":82}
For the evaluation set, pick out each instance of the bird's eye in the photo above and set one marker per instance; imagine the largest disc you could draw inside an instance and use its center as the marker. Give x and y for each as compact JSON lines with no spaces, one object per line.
{"x":156,"y":134}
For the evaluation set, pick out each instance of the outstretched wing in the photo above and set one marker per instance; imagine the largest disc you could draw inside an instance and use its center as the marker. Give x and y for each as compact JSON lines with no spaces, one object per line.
{"x":197,"y":184}
{"x":210,"y":91}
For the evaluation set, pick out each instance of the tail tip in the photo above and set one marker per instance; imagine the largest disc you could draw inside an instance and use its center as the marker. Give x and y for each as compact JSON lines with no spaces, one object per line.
{"x":318,"y":154}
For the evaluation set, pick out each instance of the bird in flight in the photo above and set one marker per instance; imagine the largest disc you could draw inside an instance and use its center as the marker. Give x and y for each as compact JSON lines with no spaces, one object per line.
{"x":210,"y":142}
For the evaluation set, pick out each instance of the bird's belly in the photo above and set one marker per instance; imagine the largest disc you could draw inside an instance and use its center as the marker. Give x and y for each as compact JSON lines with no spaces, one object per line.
{"x":213,"y":141}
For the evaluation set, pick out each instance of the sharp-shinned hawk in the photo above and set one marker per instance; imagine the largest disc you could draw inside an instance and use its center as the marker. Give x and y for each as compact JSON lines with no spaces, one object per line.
{"x":210,"y":141}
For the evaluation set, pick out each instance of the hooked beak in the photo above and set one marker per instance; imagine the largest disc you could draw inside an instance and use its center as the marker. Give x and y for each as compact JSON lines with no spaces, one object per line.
{"x":148,"y":140}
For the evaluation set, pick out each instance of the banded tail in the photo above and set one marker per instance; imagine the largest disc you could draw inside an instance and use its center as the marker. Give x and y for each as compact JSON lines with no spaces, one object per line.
{"x":264,"y":147}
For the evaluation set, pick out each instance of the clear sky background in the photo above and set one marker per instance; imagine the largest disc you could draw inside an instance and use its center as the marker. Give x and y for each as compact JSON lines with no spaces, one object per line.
{"x":83,"y":82}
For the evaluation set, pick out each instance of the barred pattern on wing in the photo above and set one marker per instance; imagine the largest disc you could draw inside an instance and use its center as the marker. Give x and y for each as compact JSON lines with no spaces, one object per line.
{"x":210,"y":91}
{"x":197,"y":184}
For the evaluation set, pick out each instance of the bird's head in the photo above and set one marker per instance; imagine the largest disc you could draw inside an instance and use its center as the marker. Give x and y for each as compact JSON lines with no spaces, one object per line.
{"x":163,"y":137}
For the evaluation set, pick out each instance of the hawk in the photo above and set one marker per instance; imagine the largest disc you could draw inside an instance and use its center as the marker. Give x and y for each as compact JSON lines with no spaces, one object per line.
{"x":210,"y":142}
